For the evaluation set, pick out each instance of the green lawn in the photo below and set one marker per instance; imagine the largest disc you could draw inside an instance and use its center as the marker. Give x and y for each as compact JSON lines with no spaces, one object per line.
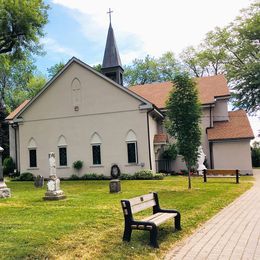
{"x":89,"y":223}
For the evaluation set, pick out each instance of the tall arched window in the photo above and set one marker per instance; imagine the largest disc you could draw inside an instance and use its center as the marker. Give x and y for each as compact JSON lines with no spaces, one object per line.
{"x":96,"y":149}
{"x":131,"y":142}
{"x":32,"y":148}
{"x":62,"y":146}
{"x":76,"y":92}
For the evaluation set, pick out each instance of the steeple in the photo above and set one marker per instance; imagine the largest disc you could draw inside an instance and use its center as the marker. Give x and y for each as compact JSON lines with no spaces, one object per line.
{"x":112,"y":66}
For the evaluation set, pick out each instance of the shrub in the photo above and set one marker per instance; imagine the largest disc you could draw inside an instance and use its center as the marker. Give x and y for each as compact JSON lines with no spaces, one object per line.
{"x":158,"y":176}
{"x":8,"y":166}
{"x":25,"y":176}
{"x":144,"y":175}
{"x":74,"y":177}
{"x":170,"y":153}
{"x":125,"y":176}
{"x":77,"y":165}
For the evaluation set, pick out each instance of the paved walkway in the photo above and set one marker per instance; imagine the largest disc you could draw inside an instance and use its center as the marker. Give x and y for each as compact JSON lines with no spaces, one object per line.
{"x":234,"y":233}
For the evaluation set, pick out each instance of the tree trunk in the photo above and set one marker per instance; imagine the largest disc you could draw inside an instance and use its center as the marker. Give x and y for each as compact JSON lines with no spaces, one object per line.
{"x":189,"y":179}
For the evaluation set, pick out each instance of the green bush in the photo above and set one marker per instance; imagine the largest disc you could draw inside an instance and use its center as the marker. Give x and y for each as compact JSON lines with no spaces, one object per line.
{"x":144,"y":175}
{"x":77,"y":165}
{"x":25,"y":176}
{"x":74,"y":177}
{"x":125,"y":176}
{"x":8,"y":166}
{"x":170,"y":153}
{"x":158,"y":176}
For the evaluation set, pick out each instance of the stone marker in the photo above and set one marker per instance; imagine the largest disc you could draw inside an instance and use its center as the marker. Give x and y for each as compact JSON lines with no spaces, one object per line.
{"x":4,"y":191}
{"x":53,"y":185}
{"x":115,"y":185}
{"x":39,"y":181}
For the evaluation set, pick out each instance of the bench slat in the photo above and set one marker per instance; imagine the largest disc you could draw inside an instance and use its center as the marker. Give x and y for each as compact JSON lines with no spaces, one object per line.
{"x":140,"y":199}
{"x":159,"y":218}
{"x":219,"y":176}
{"x":222,"y":172}
{"x":143,"y":206}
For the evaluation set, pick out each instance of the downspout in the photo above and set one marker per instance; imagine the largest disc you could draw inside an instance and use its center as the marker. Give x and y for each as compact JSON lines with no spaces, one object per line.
{"x":14,"y":126}
{"x":149,"y":142}
{"x":210,"y":143}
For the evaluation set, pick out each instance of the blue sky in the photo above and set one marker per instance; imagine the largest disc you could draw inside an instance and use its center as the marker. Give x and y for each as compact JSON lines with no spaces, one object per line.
{"x":79,"y":28}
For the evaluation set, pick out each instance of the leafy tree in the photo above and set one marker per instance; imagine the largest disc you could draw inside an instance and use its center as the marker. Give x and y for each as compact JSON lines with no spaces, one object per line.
{"x":53,"y":70}
{"x":21,"y":26}
{"x":14,"y":74}
{"x":234,"y":51}
{"x":97,"y":67}
{"x":255,"y":154}
{"x":183,"y":119}
{"x":151,"y":70}
{"x":4,"y":129}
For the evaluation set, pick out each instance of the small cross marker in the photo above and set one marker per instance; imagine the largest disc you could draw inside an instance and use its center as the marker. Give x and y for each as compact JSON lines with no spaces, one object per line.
{"x":110,"y":12}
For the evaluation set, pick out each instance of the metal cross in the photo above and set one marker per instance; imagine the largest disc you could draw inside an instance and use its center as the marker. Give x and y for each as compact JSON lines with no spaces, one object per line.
{"x":110,"y":12}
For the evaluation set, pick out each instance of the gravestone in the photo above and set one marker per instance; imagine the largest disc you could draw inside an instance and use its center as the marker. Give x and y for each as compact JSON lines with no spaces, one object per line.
{"x":114,"y":184}
{"x":39,"y":181}
{"x":4,"y":191}
{"x":53,"y":185}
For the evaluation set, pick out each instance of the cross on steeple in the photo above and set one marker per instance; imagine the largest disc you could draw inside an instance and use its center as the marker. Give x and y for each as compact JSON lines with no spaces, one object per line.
{"x":110,"y":12}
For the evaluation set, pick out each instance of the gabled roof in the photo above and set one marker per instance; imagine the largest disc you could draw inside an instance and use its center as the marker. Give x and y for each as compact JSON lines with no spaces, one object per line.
{"x":209,"y":88}
{"x":160,"y":139}
{"x":238,"y":127}
{"x":12,"y":115}
{"x":17,"y":112}
{"x":111,"y":56}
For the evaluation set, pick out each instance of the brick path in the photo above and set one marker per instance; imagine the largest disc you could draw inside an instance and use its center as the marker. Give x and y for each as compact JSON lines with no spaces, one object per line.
{"x":234,"y":233}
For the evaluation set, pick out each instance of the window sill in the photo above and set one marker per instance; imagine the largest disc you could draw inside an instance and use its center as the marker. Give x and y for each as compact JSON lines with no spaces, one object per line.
{"x":96,"y":166}
{"x":132,"y":164}
{"x":33,"y":168}
{"x":63,"y":167}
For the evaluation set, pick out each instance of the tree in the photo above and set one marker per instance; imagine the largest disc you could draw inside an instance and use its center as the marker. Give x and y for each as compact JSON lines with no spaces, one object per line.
{"x":255,"y":154}
{"x":53,"y":70}
{"x":97,"y":68}
{"x":151,"y":70}
{"x":21,"y":26}
{"x":183,"y":119}
{"x":234,"y":51}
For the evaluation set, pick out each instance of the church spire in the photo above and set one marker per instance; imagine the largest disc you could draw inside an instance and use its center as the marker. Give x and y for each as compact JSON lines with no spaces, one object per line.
{"x":112,"y":66}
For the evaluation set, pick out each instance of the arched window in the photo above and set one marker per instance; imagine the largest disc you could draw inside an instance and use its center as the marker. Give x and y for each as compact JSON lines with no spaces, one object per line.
{"x":32,"y":148}
{"x":131,"y":142}
{"x":62,"y":146}
{"x":96,"y":148}
{"x":76,"y":89}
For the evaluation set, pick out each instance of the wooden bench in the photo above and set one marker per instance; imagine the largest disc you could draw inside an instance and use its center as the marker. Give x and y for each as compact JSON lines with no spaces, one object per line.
{"x":210,"y":173}
{"x":150,"y":223}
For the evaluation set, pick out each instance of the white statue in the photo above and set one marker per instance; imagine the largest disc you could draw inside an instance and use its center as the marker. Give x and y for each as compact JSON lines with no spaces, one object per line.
{"x":52,"y":164}
{"x":200,"y":161}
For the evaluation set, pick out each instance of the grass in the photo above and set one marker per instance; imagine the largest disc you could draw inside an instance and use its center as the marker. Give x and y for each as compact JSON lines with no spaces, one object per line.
{"x":89,"y":223}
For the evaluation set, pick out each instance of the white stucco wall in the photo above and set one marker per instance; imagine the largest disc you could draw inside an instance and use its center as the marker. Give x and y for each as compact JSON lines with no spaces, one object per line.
{"x":103,"y":108}
{"x":233,"y":155}
{"x":153,"y":130}
{"x":220,"y":110}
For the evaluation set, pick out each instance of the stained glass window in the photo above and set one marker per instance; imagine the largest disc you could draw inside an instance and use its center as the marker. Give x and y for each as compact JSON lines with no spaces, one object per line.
{"x":63,"y":156}
{"x":33,"y":158}
{"x":132,"y":152}
{"x":96,"y":154}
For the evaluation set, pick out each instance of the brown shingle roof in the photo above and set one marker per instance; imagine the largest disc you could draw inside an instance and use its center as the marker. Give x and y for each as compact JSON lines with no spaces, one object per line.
{"x":237,"y":127}
{"x":209,"y":88}
{"x":17,"y":110}
{"x":160,"y":138}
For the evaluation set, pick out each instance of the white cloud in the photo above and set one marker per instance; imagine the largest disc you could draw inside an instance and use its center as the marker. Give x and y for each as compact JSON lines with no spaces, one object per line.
{"x":52,"y":45}
{"x":160,"y":26}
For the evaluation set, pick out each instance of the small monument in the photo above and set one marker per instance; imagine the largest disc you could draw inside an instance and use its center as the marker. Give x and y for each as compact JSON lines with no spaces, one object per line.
{"x":39,"y":181}
{"x":53,"y":185}
{"x":4,"y":191}
{"x":115,"y":185}
{"x":200,"y":161}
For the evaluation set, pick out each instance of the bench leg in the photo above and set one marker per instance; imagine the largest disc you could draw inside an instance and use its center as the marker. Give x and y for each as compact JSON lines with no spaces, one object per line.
{"x":153,"y":237}
{"x":127,"y":234}
{"x":177,"y":221}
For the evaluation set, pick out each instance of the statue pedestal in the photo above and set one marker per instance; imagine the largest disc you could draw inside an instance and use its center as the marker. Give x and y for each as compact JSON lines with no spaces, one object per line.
{"x":4,"y":191}
{"x":53,"y":189}
{"x":115,"y":186}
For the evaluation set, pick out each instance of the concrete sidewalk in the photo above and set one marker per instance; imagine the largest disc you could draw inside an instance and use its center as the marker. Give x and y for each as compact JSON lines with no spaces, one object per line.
{"x":234,"y":233}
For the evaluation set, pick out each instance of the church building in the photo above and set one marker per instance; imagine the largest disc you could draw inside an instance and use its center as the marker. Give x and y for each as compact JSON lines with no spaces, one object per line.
{"x":81,"y":114}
